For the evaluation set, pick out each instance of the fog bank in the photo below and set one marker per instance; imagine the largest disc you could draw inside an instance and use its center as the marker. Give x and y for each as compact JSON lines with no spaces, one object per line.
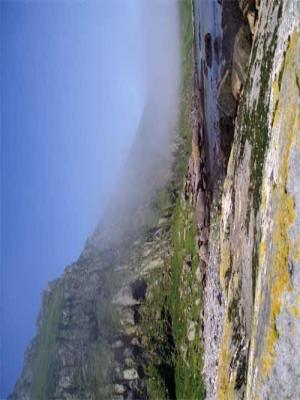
{"x":149,"y":160}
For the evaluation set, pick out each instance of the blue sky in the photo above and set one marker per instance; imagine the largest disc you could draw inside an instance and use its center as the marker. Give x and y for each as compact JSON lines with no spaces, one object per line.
{"x":71,"y":98}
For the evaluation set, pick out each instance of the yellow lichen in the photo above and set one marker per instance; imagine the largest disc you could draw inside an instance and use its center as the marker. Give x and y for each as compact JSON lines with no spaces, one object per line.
{"x":226,"y":379}
{"x":195,"y":152}
{"x":273,"y":283}
{"x":286,"y":119}
{"x":295,"y":251}
{"x":224,"y":264}
{"x":262,"y":248}
{"x":295,"y":311}
{"x":225,"y":382}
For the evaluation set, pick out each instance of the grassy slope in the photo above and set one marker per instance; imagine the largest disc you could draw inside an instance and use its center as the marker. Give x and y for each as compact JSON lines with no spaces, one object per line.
{"x":44,"y":362}
{"x":176,"y":299}
{"x":45,"y":358}
{"x":185,"y":303}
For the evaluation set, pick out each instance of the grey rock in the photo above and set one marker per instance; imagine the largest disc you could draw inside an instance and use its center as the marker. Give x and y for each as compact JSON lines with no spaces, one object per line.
{"x":130,"y":374}
{"x":241,"y":54}
{"x":119,"y":389}
{"x":225,"y":99}
{"x":191,"y":332}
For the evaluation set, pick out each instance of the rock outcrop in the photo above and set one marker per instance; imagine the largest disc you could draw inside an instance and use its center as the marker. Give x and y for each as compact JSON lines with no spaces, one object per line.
{"x":250,"y":296}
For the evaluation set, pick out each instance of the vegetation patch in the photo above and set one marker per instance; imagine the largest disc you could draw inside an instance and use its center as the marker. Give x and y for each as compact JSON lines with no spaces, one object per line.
{"x":45,"y":359}
{"x":171,"y":316}
{"x":186,"y":303}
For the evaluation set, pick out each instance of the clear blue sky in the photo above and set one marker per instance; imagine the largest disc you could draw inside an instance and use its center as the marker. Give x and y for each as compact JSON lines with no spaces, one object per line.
{"x":71,"y":99}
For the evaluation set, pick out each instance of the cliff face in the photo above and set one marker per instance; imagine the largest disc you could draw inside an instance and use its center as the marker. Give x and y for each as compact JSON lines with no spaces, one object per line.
{"x":192,"y":289}
{"x":242,"y":177}
{"x":251,"y":321}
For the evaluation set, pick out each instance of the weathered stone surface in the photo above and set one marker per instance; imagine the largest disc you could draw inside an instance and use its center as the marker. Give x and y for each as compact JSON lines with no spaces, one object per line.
{"x":226,"y":101}
{"x":119,"y":389}
{"x":236,"y":84}
{"x":191,"y":333}
{"x":276,"y":329}
{"x":241,"y":53}
{"x":252,"y":21}
{"x":230,"y":320}
{"x":130,"y":374}
{"x":203,"y":253}
{"x":249,"y":234}
{"x":200,"y":209}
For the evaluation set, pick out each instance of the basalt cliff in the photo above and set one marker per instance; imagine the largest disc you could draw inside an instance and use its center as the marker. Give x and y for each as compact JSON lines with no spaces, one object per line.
{"x":191,"y":289}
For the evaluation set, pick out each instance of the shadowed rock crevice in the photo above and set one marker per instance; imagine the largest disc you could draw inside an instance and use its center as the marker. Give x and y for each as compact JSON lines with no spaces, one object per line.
{"x":139,"y":289}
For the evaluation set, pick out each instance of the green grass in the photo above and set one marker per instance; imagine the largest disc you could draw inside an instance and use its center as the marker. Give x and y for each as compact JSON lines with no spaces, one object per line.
{"x":45,"y":359}
{"x":173,"y":303}
{"x":99,"y":369}
{"x":156,"y":385}
{"x":167,"y":314}
{"x":186,"y":88}
{"x":188,"y":380}
{"x":185,"y":290}
{"x":94,"y":378}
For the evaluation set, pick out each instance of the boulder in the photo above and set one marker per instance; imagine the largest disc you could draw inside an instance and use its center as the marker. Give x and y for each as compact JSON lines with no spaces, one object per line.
{"x":191,"y":332}
{"x":119,"y":389}
{"x":197,"y":302}
{"x":127,"y":317}
{"x":198,"y":274}
{"x":130,"y":374}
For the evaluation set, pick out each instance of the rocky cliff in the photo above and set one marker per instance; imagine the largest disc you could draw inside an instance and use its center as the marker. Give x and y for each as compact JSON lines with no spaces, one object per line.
{"x":89,"y":342}
{"x":195,"y":294}
{"x":251,"y":322}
